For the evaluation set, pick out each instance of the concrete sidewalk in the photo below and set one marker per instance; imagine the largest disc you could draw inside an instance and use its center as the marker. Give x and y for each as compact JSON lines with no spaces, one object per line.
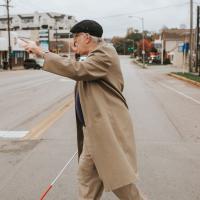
{"x":15,"y":68}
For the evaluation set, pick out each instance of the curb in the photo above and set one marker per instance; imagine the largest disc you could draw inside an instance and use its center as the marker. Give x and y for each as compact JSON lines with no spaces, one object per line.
{"x":185,"y":79}
{"x":139,"y":64}
{"x":13,"y":69}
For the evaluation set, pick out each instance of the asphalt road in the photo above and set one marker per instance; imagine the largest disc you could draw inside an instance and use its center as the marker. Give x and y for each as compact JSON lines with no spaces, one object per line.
{"x":165,"y":113}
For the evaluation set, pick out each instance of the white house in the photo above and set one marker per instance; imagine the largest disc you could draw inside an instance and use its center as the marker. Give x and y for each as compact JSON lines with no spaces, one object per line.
{"x":173,"y":41}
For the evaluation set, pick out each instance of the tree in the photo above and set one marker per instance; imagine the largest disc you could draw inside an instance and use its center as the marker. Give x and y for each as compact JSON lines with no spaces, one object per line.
{"x":147,"y":46}
{"x":134,"y":36}
{"x":133,"y":42}
{"x":123,"y":45}
{"x":119,"y":44}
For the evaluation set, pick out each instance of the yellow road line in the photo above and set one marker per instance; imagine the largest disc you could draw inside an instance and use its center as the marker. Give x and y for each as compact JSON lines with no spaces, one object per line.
{"x":37,"y":131}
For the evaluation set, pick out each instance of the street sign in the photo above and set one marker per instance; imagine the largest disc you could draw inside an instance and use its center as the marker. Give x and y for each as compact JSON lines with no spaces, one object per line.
{"x":44,"y":39}
{"x":185,"y":47}
{"x":130,"y":49}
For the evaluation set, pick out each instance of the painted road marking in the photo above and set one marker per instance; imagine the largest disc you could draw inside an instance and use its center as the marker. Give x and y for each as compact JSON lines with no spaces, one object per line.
{"x":39,"y":129}
{"x":13,"y":134}
{"x":180,"y":93}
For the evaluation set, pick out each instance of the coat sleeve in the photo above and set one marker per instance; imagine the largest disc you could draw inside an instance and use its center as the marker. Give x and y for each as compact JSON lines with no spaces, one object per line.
{"x":94,"y":67}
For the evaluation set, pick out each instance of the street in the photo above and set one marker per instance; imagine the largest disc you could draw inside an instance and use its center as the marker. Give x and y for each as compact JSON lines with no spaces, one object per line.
{"x":165,"y":113}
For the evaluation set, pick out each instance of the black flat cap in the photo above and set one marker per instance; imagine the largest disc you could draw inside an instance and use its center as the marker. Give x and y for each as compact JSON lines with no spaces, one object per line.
{"x":88,"y":26}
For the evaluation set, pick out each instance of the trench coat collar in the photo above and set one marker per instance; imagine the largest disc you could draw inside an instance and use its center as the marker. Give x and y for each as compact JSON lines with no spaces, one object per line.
{"x":100,"y":44}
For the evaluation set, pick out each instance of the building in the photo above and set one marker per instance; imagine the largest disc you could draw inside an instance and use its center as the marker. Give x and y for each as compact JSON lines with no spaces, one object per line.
{"x":173,"y":43}
{"x":37,"y":21}
{"x":50,"y":30}
{"x":18,"y":53}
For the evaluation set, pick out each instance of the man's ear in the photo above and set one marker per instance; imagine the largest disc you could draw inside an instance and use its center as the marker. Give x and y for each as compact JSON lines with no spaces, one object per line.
{"x":88,"y":39}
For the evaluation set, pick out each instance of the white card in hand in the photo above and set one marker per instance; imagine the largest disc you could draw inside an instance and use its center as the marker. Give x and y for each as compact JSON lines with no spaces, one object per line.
{"x":23,"y":42}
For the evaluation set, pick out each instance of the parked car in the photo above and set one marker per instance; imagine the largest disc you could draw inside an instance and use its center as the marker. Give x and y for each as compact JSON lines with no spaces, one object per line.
{"x":31,"y":63}
{"x":5,"y":65}
{"x":154,"y":60}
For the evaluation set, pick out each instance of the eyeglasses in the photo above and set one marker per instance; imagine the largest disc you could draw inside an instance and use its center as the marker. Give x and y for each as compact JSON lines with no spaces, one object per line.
{"x":76,"y":35}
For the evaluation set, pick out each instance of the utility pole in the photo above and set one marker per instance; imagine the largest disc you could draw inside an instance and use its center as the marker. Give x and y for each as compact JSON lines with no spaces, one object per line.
{"x":124,"y":47}
{"x":143,"y":47}
{"x":191,"y":35}
{"x":69,"y":50}
{"x":143,"y":50}
{"x":197,"y":41}
{"x":56,"y":28}
{"x":162,"y":48}
{"x":9,"y":42}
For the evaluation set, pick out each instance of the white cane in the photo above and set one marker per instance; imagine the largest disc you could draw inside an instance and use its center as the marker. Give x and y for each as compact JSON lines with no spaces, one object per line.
{"x":57,"y":177}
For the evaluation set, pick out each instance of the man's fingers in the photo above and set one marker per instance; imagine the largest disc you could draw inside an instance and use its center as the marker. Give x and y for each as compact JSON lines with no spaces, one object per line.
{"x":29,"y":49}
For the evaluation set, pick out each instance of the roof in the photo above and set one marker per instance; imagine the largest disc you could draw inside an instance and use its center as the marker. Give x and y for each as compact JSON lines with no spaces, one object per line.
{"x":26,"y":16}
{"x":31,"y":15}
{"x":175,"y":33}
{"x":54,"y":14}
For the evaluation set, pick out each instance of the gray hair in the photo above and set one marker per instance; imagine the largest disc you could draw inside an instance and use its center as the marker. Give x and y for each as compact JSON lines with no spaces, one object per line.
{"x":96,"y":39}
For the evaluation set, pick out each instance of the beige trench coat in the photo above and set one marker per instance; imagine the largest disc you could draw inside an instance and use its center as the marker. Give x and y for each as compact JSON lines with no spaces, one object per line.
{"x":108,"y":132}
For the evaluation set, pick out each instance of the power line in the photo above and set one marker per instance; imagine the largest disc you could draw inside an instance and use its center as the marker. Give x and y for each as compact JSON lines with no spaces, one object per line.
{"x":144,"y":11}
{"x":23,"y":4}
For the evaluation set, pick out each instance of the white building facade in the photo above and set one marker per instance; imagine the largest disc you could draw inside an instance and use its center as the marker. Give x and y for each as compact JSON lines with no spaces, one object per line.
{"x":37,"y":21}
{"x":50,"y":30}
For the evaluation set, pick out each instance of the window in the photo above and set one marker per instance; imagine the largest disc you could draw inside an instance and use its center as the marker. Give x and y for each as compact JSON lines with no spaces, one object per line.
{"x":27,"y":20}
{"x":44,"y":26}
{"x":3,"y":21}
{"x":19,"y":54}
{"x":62,"y":35}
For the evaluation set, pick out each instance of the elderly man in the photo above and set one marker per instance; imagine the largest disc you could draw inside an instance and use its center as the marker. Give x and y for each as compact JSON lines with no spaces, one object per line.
{"x":106,"y":146}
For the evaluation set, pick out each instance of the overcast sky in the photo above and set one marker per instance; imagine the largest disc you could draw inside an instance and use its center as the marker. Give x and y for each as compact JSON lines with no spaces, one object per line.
{"x":113,"y":14}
